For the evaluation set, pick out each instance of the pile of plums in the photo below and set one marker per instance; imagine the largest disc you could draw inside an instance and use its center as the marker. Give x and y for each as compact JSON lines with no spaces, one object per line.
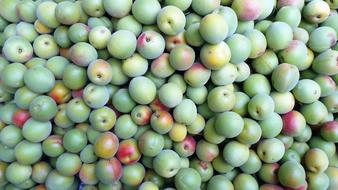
{"x":168,"y":94}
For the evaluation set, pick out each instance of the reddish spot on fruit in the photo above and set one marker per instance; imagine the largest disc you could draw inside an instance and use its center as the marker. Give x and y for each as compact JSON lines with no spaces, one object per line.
{"x":293,"y":123}
{"x":157,"y":105}
{"x":77,"y":93}
{"x":141,"y":40}
{"x":128,"y":152}
{"x":20,"y":117}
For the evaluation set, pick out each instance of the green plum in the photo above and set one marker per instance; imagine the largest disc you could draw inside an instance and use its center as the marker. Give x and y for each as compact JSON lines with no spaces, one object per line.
{"x":213,"y":28}
{"x":235,"y":153}
{"x":171,"y":20}
{"x":285,"y":77}
{"x":117,"y":9}
{"x":278,"y":35}
{"x":167,"y":163}
{"x":187,"y":178}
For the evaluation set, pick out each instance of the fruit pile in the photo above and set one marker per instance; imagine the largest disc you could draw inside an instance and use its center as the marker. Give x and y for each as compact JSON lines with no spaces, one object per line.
{"x":168,"y":94}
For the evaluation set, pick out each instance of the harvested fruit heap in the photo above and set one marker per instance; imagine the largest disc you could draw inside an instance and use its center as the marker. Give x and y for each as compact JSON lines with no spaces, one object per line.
{"x":168,"y":94}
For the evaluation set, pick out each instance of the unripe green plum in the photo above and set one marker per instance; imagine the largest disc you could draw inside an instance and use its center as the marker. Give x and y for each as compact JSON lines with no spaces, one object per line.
{"x":197,"y":126}
{"x":40,"y":171}
{"x":74,"y":140}
{"x":229,"y":124}
{"x":28,"y":153}
{"x":295,"y":54}
{"x":185,"y":112}
{"x":95,"y":96}
{"x":57,"y":65}
{"x":87,"y":154}
{"x":285,"y":77}
{"x":258,"y":42}
{"x":68,"y":164}
{"x":93,"y":8}
{"x":61,"y":37}
{"x":267,"y":9}
{"x":17,"y":49}
{"x":215,"y":56}
{"x":78,"y":32}
{"x":182,"y":57}
{"x":12,"y":75}
{"x":301,"y":34}
{"x":77,"y":110}
{"x":235,"y":153}
{"x":67,"y":13}
{"x":117,"y":9}
{"x":27,"y":31}
{"x":99,"y":37}
{"x":261,"y":106}
{"x":192,"y":35}
{"x":142,"y":90}
{"x":278,"y":35}
{"x":129,"y":23}
{"x":83,"y":54}
{"x":251,"y":132}
{"x":8,"y":10}
{"x":245,"y":182}
{"x":43,"y":108}
{"x":204,"y":7}
{"x":52,"y":146}
{"x":314,"y":113}
{"x":270,"y":150}
{"x":253,"y":164}
{"x":291,"y":174}
{"x":45,"y":13}
{"x":74,"y":77}
{"x":316,"y":11}
{"x":256,"y":84}
{"x":247,"y":10}
{"x":10,"y":136}
{"x":145,"y":11}
{"x":206,"y":151}
{"x":244,"y":72}
{"x":221,"y":166}
{"x":36,"y":131}
{"x":170,"y":95}
{"x":187,"y":178}
{"x":322,"y":39}
{"x":171,"y":20}
{"x":290,"y":15}
{"x":17,"y":173}
{"x":150,"y":44}
{"x":271,"y":126}
{"x":166,"y":163}
{"x":210,"y":134}
{"x":307,"y":91}
{"x":125,"y":127}
{"x":240,"y":47}
{"x":134,"y":66}
{"x":45,"y":46}
{"x":317,"y":181}
{"x":103,"y":118}
{"x":213,"y":28}
{"x":221,"y":99}
{"x":122,"y":101}
{"x":316,"y":160}
{"x":324,"y":63}
{"x":230,"y":17}
{"x":268,"y":173}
